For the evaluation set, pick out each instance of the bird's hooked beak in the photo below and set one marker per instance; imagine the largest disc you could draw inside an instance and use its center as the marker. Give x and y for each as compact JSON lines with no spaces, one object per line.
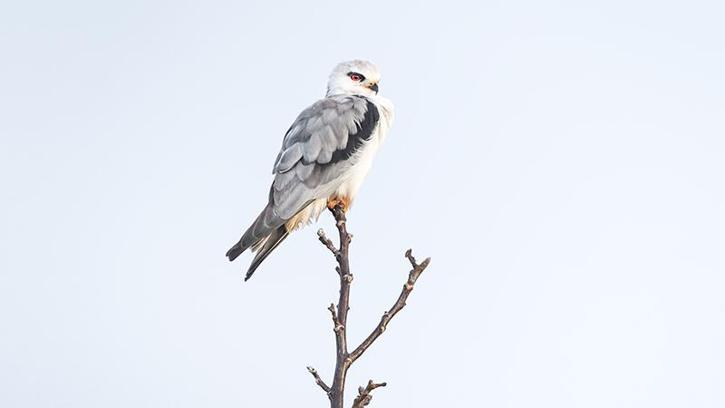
{"x":374,"y":87}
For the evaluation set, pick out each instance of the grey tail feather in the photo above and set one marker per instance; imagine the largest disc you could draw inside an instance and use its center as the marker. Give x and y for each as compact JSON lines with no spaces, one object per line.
{"x":274,"y":239}
{"x":256,"y":233}
{"x":235,"y":251}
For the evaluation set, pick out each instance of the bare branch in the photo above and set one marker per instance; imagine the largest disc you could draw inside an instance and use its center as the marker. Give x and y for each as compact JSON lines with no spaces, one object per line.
{"x":344,"y":359}
{"x":364,"y":394}
{"x":318,"y":380}
{"x":397,"y":306}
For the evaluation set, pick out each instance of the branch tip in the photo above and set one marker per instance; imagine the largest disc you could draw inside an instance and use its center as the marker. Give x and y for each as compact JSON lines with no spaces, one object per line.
{"x":411,"y":258}
{"x":318,"y":380}
{"x":364,"y":394}
{"x":327,"y":242}
{"x":425,"y":263}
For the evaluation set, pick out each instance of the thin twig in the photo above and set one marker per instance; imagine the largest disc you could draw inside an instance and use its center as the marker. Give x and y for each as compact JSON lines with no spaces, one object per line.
{"x":397,"y":306}
{"x":327,"y":242}
{"x":318,"y":380}
{"x":364,"y":394}
{"x":337,"y":326}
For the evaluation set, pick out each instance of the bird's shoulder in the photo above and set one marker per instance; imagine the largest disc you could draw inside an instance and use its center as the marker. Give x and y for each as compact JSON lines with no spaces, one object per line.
{"x":329,"y":130}
{"x":332,"y":111}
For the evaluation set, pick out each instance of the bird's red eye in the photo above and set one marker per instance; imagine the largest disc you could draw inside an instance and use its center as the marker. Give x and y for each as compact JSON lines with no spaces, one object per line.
{"x":356,"y":76}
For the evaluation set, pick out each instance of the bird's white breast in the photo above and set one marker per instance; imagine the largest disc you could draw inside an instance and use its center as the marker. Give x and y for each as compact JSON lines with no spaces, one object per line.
{"x":352,"y":179}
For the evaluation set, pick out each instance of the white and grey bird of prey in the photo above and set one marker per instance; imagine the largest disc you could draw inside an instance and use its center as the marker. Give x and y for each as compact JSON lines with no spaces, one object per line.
{"x":325,"y":156}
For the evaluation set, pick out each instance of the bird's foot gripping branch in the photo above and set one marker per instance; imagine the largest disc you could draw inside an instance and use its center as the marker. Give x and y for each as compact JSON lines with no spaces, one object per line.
{"x":345,"y":358}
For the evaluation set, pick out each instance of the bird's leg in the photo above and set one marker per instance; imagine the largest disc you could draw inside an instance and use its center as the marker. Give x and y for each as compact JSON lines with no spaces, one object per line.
{"x":342,"y":202}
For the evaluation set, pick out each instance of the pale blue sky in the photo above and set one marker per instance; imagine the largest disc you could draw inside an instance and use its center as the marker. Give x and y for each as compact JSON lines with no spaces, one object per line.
{"x":562,"y":162}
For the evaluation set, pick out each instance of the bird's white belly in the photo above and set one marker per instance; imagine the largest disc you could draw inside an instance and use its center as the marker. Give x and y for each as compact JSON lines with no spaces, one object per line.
{"x":354,"y":177}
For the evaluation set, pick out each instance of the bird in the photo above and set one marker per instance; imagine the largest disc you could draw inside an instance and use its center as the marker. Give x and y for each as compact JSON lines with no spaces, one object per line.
{"x":325,"y":156}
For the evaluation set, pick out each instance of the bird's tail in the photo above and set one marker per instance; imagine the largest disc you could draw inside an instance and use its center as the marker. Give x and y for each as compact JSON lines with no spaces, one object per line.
{"x":235,"y":251}
{"x":265,"y":224}
{"x":269,"y":244}
{"x":263,"y":236}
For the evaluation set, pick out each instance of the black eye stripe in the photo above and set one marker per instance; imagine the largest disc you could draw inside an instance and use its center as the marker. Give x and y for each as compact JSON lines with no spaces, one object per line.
{"x":362,"y":77}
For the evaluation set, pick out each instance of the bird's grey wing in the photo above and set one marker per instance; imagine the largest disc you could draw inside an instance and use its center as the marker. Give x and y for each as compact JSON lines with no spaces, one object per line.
{"x":319,"y":146}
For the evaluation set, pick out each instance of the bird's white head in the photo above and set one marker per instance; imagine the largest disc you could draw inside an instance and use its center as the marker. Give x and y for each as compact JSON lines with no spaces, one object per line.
{"x":355,"y":77}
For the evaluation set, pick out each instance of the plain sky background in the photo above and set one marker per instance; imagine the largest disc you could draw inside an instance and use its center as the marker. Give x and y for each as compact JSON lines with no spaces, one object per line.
{"x":561,"y":162}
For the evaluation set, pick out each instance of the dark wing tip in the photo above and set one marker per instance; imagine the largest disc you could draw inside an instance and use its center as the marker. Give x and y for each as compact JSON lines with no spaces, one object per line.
{"x":234,"y":252}
{"x":253,"y":267}
{"x":273,"y":240}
